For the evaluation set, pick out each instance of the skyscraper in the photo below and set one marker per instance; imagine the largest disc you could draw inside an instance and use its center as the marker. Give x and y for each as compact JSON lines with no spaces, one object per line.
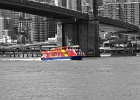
{"x":11,"y":20}
{"x":74,"y":4}
{"x":42,"y":27}
{"x":70,"y":4}
{"x":128,"y":12}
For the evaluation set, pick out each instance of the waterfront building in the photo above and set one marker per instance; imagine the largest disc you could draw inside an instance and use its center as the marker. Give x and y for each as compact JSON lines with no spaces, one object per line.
{"x":42,"y":27}
{"x":70,"y":4}
{"x":74,"y":4}
{"x":113,"y":11}
{"x":52,"y":2}
{"x":18,"y":22}
{"x":24,"y":26}
{"x":10,"y":21}
{"x":128,"y":12}
{"x":14,"y":22}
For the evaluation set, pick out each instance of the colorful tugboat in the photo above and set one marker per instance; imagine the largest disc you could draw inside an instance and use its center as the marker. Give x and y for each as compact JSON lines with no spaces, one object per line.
{"x":62,"y":53}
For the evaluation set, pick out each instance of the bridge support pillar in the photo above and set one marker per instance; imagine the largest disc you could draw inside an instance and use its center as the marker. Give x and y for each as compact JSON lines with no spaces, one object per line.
{"x":85,"y":34}
{"x":93,"y":30}
{"x":88,"y":38}
{"x":93,"y":38}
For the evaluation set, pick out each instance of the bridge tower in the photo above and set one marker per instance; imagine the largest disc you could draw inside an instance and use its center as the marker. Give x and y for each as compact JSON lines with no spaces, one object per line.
{"x":83,"y":33}
{"x":93,"y":30}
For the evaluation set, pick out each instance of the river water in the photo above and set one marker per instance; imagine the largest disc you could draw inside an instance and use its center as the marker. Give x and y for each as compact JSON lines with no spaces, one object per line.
{"x":104,"y":78}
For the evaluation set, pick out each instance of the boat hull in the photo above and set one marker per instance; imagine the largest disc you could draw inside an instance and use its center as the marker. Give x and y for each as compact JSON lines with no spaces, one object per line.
{"x":63,"y":58}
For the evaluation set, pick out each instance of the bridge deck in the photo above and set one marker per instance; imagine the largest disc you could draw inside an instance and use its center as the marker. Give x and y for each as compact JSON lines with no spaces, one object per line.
{"x":58,"y":12}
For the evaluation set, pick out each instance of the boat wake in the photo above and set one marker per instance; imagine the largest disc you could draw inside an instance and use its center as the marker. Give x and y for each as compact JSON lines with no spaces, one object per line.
{"x":28,"y":59}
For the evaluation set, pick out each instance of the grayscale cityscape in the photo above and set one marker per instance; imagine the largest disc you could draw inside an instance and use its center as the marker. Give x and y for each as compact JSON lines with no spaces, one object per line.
{"x":69,"y":49}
